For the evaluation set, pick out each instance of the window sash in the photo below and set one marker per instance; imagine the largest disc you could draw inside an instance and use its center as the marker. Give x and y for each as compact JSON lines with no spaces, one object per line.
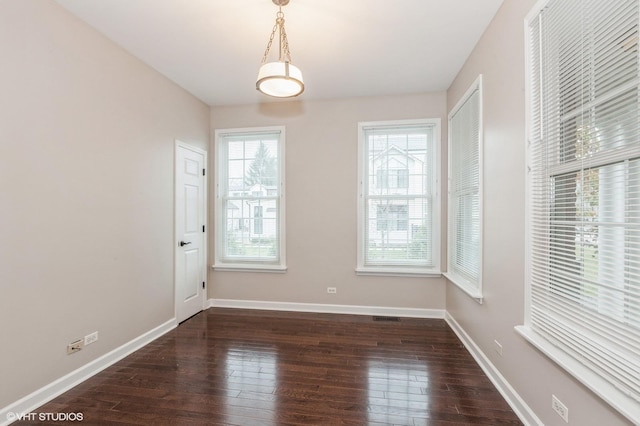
{"x":250,"y":198}
{"x":398,"y":196}
{"x":584,"y":185}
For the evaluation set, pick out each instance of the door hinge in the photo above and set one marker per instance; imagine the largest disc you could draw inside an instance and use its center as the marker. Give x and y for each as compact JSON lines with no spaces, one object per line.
{"x":203,"y":172}
{"x":202,"y":228}
{"x":202,"y":284}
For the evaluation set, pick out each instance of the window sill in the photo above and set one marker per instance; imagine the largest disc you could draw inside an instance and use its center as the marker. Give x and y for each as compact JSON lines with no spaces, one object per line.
{"x":466,"y":286}
{"x":615,"y":397}
{"x":278,"y":269}
{"x":399,"y":272}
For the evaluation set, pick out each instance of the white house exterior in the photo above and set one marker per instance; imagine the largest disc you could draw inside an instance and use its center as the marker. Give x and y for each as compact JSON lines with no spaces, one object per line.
{"x":255,"y":217}
{"x":394,"y":175}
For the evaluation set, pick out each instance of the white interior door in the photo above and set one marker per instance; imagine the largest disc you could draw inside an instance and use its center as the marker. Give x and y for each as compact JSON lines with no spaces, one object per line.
{"x":190,"y":217}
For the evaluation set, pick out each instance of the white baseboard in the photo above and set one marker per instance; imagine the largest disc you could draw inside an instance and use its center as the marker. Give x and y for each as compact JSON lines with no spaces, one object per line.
{"x":45,"y":394}
{"x":325,"y":308}
{"x":519,"y":406}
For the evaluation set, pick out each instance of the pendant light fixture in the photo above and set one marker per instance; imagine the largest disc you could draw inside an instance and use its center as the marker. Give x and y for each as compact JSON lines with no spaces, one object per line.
{"x":279,"y":79}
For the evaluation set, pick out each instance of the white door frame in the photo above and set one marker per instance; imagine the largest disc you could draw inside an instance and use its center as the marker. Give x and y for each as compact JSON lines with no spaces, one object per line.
{"x":176,"y":238}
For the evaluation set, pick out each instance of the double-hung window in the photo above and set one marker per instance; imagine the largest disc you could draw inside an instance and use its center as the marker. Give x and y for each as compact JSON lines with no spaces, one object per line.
{"x":249,"y":199}
{"x":398,"y":208}
{"x":583,"y":294}
{"x":464,"y":259}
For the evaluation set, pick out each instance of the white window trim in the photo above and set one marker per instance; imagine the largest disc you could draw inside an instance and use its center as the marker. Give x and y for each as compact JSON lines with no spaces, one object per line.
{"x":400,"y":270}
{"x":396,"y":272}
{"x":250,"y":265}
{"x":472,"y":289}
{"x":612,"y":395}
{"x":246,"y":267}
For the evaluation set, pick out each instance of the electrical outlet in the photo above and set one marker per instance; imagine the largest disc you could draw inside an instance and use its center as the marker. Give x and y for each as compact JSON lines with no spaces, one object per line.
{"x":74,"y":347}
{"x":90,"y":338}
{"x":498,"y":347}
{"x":332,"y":290}
{"x":560,"y":408}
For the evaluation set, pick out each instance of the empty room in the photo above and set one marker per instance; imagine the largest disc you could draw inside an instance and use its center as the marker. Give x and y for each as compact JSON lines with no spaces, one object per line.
{"x":339,"y":212}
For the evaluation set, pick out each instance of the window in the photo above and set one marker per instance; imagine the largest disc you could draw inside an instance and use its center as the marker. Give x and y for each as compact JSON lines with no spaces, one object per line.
{"x":465,"y":202}
{"x":583,"y":306}
{"x":249,"y":205}
{"x":398,"y":210}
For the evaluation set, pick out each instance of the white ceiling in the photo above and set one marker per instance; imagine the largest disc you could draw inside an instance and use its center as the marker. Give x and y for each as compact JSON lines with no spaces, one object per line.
{"x":345,"y":48}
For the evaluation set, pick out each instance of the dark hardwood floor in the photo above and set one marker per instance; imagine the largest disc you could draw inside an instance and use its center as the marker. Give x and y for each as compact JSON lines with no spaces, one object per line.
{"x":240,"y":367}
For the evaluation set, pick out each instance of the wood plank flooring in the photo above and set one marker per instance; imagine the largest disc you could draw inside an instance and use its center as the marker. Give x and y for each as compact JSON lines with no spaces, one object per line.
{"x":242,"y":367}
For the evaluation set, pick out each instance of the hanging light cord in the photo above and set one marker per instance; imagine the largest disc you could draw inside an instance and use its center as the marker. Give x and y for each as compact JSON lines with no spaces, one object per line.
{"x":283,"y":55}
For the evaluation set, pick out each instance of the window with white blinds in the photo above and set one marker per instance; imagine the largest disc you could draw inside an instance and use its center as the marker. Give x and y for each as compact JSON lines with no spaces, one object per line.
{"x":465,"y":203}
{"x":249,"y":206}
{"x":584,"y":192}
{"x":398,"y":220}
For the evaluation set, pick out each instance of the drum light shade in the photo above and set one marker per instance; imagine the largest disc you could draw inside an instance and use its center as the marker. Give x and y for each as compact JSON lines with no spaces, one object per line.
{"x":280,"y":79}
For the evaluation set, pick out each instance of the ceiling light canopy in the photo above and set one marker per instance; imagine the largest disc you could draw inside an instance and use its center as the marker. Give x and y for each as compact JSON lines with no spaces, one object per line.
{"x":280,"y":79}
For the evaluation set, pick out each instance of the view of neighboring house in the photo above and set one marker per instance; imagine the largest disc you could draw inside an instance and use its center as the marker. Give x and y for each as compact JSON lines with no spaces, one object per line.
{"x":251,"y":200}
{"x":253,"y":218}
{"x":396,"y":172}
{"x":397,"y":210}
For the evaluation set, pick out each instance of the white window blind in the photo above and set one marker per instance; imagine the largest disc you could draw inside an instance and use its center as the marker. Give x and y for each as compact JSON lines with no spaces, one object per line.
{"x":465,"y":204}
{"x":398,"y":210}
{"x":249,"y":199}
{"x":584,"y":187}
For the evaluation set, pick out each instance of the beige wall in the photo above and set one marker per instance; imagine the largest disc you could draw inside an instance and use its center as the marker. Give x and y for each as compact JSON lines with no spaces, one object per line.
{"x":499,"y":56}
{"x":321,"y":201}
{"x":86,"y":190}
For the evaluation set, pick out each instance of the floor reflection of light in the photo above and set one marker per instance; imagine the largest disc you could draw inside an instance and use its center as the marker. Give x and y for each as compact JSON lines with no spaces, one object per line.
{"x":253,"y":374}
{"x":397,"y":388}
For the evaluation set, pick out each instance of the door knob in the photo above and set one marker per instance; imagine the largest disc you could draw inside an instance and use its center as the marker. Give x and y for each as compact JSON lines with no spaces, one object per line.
{"x":182,"y":243}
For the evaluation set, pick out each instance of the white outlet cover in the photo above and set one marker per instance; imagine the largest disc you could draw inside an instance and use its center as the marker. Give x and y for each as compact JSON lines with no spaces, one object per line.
{"x":90,"y":338}
{"x":560,"y":408}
